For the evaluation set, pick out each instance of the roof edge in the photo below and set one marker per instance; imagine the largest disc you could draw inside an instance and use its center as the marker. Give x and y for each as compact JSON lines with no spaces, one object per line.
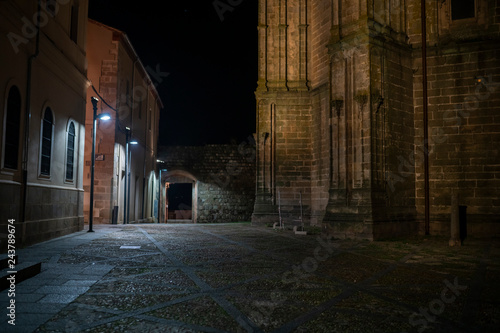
{"x":130,"y":48}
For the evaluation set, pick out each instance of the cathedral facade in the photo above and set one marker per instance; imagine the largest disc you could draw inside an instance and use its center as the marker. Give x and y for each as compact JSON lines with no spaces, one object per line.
{"x":366,"y":133}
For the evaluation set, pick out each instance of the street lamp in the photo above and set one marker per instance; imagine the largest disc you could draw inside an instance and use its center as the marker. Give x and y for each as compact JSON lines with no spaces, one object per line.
{"x":127,"y":175}
{"x":102,"y":116}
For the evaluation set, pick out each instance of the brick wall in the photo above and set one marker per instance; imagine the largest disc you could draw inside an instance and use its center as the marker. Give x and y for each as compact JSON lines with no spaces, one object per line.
{"x":464,"y":123}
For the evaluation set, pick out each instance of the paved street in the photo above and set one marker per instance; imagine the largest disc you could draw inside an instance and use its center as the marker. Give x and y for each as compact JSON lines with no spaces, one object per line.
{"x":238,"y":278}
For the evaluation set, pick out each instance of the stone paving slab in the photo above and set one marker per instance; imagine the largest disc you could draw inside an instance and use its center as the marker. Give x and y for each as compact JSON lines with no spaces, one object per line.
{"x":239,"y":278}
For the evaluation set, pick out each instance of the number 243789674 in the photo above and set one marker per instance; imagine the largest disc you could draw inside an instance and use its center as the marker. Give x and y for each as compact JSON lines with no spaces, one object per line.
{"x":11,"y":241}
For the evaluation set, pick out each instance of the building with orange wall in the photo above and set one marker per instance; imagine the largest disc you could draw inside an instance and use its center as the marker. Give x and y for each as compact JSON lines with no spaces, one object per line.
{"x":126,"y":91}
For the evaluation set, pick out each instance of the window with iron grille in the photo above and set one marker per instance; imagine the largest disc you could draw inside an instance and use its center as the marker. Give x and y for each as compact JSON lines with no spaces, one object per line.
{"x":48,"y":121}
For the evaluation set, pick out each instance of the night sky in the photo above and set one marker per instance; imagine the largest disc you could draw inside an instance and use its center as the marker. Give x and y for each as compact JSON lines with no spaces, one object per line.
{"x":208,"y":95}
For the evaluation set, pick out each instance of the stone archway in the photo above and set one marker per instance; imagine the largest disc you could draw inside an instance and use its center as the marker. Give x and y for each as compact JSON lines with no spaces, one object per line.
{"x":181,"y":177}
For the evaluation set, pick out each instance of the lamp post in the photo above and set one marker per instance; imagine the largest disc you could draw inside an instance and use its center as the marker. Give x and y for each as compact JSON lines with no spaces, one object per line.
{"x":102,"y":116}
{"x":126,"y":204}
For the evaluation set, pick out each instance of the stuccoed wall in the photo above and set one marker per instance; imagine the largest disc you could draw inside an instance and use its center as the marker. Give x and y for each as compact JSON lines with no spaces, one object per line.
{"x":43,"y":206}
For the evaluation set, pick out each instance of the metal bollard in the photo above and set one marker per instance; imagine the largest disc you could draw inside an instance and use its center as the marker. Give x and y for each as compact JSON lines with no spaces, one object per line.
{"x":455,"y":221}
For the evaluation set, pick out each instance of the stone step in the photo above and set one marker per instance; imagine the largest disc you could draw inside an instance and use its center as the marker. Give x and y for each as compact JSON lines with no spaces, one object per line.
{"x":4,"y":262}
{"x":23,"y":271}
{"x":174,"y":221}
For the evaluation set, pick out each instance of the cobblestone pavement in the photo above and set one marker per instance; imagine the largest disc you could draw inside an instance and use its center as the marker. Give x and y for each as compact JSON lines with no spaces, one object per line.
{"x":239,"y":278}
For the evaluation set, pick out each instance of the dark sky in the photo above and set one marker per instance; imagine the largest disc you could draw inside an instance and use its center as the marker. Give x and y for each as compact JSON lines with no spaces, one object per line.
{"x":212,"y":63}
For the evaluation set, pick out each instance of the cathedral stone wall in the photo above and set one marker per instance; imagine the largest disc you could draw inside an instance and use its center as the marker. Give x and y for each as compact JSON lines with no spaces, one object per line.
{"x":342,"y":127}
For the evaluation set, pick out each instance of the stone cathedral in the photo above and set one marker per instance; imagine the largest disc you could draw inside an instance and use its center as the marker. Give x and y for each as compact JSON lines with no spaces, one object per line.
{"x":340,"y":115}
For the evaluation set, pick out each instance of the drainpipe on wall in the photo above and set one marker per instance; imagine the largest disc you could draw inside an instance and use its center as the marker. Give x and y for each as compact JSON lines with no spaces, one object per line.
{"x":425,"y":101}
{"x":24,"y":190}
{"x":127,"y":188}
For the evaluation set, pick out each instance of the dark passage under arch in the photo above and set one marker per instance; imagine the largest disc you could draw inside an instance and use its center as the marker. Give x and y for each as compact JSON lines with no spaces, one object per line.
{"x":180,"y":201}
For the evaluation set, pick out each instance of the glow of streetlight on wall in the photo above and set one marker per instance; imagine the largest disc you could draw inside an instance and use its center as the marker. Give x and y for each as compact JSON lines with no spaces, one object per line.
{"x":102,"y":116}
